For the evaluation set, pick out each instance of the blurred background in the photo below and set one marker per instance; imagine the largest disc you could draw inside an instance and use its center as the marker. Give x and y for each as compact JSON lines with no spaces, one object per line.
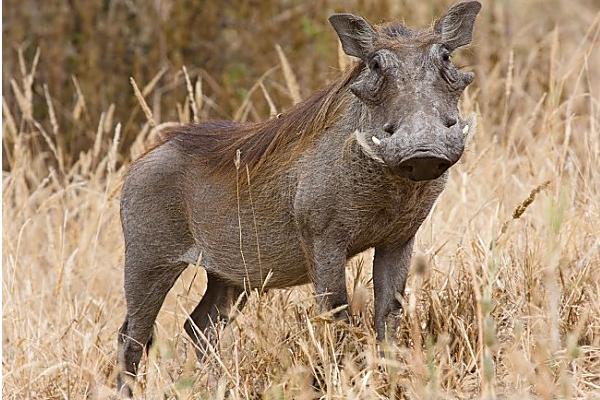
{"x":88,"y":50}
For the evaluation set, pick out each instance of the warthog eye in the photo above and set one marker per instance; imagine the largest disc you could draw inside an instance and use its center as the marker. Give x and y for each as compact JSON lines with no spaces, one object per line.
{"x":375,"y":65}
{"x":445,"y":54}
{"x":369,"y":87}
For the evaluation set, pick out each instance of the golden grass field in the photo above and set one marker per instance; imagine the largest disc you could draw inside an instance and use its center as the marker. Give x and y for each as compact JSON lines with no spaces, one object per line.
{"x":503,"y":301}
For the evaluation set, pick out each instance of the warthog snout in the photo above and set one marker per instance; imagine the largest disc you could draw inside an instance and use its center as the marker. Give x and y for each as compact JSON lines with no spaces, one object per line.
{"x":423,"y":166}
{"x":420,"y":156}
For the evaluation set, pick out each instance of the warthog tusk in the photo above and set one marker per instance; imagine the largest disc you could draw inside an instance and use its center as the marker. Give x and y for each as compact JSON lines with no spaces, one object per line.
{"x":366,"y":148}
{"x":466,"y":129}
{"x":376,"y":140}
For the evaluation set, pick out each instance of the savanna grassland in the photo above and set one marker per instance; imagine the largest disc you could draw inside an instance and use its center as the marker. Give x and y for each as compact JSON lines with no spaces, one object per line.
{"x":503,"y":300}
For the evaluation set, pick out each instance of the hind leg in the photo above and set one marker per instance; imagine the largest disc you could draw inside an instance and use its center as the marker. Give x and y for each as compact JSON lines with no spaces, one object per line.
{"x":145,"y":292}
{"x":123,"y":333}
{"x":214,"y":309}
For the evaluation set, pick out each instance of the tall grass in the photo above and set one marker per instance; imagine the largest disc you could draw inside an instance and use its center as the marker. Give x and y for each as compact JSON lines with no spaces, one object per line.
{"x":503,"y":298}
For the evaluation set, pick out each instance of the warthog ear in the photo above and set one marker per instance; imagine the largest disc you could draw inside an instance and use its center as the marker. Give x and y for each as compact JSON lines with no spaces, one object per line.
{"x":456,"y":27}
{"x":355,"y":33}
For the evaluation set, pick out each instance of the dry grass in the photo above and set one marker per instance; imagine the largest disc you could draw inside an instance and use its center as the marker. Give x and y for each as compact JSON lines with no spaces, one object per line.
{"x":504,"y":302}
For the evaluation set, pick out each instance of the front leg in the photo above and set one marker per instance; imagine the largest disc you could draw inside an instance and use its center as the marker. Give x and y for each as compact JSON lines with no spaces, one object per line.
{"x":329,"y":275}
{"x":390,"y":269}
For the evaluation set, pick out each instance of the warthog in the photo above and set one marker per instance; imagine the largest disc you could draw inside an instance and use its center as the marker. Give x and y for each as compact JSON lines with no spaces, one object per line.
{"x":357,"y":165}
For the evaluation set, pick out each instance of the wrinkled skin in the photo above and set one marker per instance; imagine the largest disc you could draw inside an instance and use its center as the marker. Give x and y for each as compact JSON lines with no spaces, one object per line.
{"x":368,"y":181}
{"x":411,"y":89}
{"x":419,"y":107}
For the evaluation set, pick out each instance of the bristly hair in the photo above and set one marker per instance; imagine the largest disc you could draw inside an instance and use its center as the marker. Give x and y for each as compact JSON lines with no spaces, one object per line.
{"x":272,"y":143}
{"x":277,"y":141}
{"x":395,"y":34}
{"x":396,"y":31}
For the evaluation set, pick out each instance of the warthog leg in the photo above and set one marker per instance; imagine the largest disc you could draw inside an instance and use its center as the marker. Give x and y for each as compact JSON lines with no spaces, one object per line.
{"x":329,"y":276}
{"x":145,"y":292}
{"x":213,"y":309}
{"x":390,"y":269}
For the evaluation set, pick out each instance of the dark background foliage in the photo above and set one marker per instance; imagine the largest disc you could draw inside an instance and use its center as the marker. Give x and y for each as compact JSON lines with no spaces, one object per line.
{"x":98,"y":45}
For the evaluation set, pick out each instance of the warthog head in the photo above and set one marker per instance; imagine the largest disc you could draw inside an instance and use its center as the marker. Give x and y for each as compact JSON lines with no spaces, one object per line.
{"x":411,"y":89}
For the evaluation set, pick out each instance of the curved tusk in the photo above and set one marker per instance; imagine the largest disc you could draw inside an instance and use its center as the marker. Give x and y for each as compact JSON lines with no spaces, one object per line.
{"x":466,"y":129}
{"x":366,"y":148}
{"x":376,"y":140}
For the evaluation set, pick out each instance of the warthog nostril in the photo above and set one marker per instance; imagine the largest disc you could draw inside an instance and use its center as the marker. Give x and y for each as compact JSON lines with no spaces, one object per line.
{"x":444,"y":165}
{"x":406,"y":168}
